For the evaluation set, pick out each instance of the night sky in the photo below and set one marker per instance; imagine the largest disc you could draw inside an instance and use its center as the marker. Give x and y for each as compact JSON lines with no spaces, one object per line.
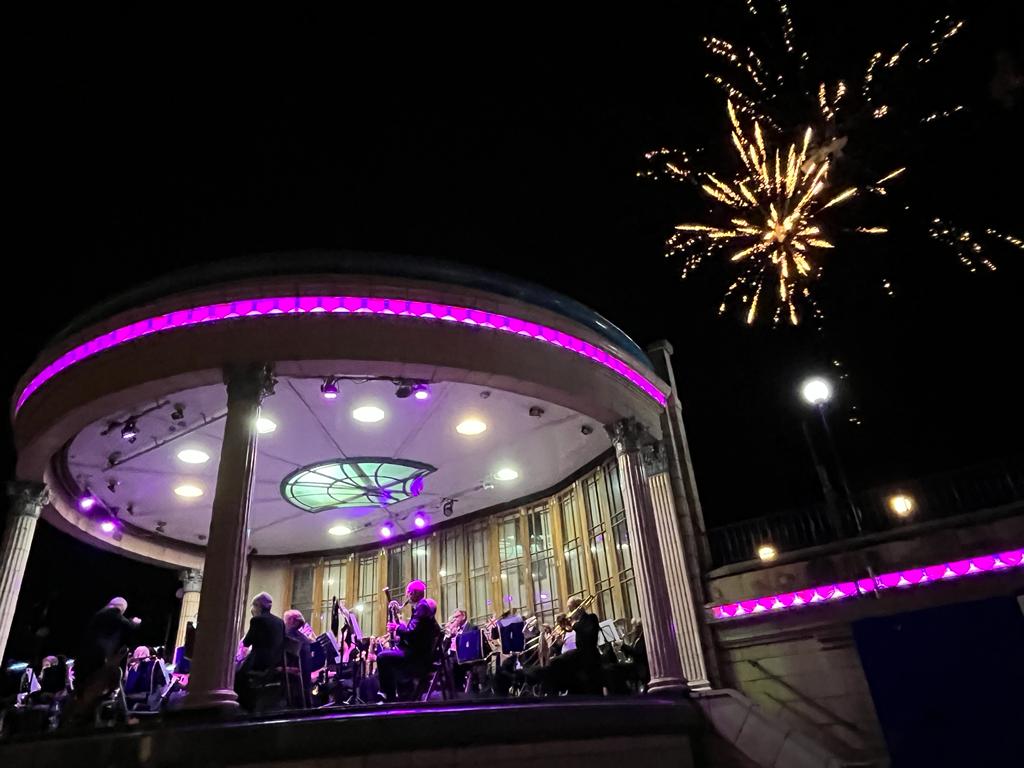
{"x":517,"y":150}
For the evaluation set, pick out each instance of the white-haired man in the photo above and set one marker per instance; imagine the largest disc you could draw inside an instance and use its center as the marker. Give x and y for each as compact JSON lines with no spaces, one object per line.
{"x":416,"y":640}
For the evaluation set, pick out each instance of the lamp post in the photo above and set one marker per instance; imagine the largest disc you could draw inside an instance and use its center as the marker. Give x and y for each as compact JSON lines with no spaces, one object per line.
{"x":817,"y":392}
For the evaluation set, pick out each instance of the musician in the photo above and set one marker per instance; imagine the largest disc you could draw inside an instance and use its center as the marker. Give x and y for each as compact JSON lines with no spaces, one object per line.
{"x":416,"y":640}
{"x":262,"y":647}
{"x":453,"y":628}
{"x":108,"y":631}
{"x":634,"y":647}
{"x":145,"y":677}
{"x":578,"y":668}
{"x":294,"y":621}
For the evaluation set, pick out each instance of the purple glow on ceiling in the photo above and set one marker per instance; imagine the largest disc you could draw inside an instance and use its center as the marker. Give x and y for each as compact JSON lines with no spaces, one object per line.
{"x":420,"y":521}
{"x":416,"y":486}
{"x":350,"y":305}
{"x":386,"y":531}
{"x":107,"y":527}
{"x":911,"y":577}
{"x":86,"y":503}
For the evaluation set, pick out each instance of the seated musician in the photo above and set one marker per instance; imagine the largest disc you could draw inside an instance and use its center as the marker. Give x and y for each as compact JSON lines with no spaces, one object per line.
{"x":416,"y":639}
{"x":578,"y":668}
{"x":262,"y":648}
{"x":294,"y":621}
{"x":634,"y":648}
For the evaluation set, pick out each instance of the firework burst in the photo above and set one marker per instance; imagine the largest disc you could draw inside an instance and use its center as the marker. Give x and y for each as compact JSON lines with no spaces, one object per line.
{"x":772,"y":210}
{"x":779,"y":196}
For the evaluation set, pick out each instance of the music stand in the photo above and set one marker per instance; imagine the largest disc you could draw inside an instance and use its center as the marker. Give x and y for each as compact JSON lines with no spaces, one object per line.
{"x":510,"y":631}
{"x":609,"y":633}
{"x":469,"y":646}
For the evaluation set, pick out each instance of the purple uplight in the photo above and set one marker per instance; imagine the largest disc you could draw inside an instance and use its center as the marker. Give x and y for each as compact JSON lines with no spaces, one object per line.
{"x":416,"y":486}
{"x":86,"y":503}
{"x":336,"y":306}
{"x":420,"y":521}
{"x":107,"y":527}
{"x":386,"y":531}
{"x":909,"y":577}
{"x":422,"y":392}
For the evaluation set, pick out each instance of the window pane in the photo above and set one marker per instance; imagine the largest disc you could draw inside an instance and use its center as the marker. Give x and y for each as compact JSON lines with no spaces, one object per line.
{"x":452,"y":571}
{"x":574,"y":570}
{"x":591,"y":502}
{"x":334,"y":583}
{"x":399,"y":570}
{"x":366,"y":606}
{"x":302,"y":589}
{"x":623,"y":555}
{"x":420,"y":556}
{"x":480,"y":604}
{"x":512,"y":571}
{"x":599,"y":556}
{"x":631,"y":609}
{"x":568,"y":504}
{"x":539,"y":525}
{"x":614,"y":489}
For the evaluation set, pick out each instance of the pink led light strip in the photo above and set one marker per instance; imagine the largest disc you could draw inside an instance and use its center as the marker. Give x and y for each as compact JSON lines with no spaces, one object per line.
{"x":910,"y":577}
{"x":338,"y":304}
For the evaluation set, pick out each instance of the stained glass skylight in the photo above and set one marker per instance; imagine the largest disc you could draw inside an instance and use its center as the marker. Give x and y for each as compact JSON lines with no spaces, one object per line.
{"x":355,"y":482}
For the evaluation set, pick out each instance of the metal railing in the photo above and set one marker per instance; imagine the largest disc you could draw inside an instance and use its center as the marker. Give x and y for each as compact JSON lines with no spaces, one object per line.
{"x":934,"y":497}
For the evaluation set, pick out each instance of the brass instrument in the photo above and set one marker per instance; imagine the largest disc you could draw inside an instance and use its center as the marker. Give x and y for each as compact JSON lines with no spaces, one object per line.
{"x":559,"y":632}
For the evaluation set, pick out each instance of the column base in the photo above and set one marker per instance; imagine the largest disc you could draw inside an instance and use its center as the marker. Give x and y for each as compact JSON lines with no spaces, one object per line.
{"x":224,"y":701}
{"x":699,"y":685}
{"x":668,"y":686}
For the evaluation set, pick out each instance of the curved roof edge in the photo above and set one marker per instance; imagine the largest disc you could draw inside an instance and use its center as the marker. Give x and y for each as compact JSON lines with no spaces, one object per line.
{"x":343,"y":262}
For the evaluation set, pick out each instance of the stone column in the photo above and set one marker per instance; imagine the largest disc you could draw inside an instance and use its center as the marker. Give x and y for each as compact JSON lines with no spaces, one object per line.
{"x":27,"y":501}
{"x":660,"y":623}
{"x":689,"y":513}
{"x":679,"y":593}
{"x":211,"y":685}
{"x":192,"y":585}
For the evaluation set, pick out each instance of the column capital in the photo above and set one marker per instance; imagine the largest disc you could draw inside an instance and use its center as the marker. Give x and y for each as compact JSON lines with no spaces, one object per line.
{"x":249,"y":381}
{"x":191,"y":580}
{"x":627,"y":435}
{"x":27,"y":498}
{"x":655,"y":458}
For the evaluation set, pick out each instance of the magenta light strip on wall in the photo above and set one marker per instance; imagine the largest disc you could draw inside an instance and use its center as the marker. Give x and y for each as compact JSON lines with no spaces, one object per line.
{"x":338,"y":304}
{"x":910,"y":577}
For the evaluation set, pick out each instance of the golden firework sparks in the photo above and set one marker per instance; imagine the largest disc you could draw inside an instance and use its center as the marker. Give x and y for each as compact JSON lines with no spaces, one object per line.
{"x":779,"y":200}
{"x":777,"y":227}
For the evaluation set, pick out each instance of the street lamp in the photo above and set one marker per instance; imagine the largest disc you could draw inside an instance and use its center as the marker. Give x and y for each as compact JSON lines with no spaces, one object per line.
{"x":817,"y":391}
{"x":901,"y":504}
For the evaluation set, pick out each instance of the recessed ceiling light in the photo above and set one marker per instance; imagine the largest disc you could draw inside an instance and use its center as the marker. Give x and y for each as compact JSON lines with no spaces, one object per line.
{"x":193,"y":456}
{"x":189,"y":491}
{"x":339,"y":530}
{"x":368,"y":414}
{"x":506,"y":473}
{"x":265,"y":426}
{"x":470,"y":427}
